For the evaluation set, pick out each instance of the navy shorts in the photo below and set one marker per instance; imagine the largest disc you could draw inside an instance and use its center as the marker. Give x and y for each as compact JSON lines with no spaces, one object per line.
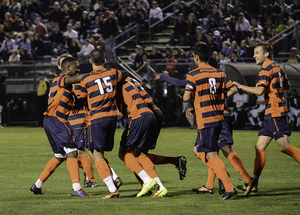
{"x":207,"y":139}
{"x":137,"y":132}
{"x":275,"y":127}
{"x":101,"y":135}
{"x":152,"y":138}
{"x":60,"y":134}
{"x":225,"y":137}
{"x":80,"y":137}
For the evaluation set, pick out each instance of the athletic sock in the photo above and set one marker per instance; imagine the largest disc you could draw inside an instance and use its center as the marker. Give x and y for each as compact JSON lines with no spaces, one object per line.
{"x":237,"y":163}
{"x":158,"y":181}
{"x":144,"y":176}
{"x":147,"y":165}
{"x":201,"y":156}
{"x":87,"y":165}
{"x":260,"y":161}
{"x":104,"y":172}
{"x":49,"y":169}
{"x":210,"y":179}
{"x":220,"y":170}
{"x":132,"y":163}
{"x":72,"y":165}
{"x":251,"y":119}
{"x":113,"y":174}
{"x":160,"y":159}
{"x":38,"y":183}
{"x":139,"y":179}
{"x":79,"y":163}
{"x":76,"y":186}
{"x":293,"y":152}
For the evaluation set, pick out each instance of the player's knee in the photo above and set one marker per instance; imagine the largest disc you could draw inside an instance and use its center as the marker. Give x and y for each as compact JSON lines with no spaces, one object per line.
{"x":195,"y":151}
{"x":60,"y":159}
{"x":81,"y":153}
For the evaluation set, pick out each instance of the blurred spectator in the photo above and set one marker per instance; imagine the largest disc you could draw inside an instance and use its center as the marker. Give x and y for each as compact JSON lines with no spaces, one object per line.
{"x":101,"y":10}
{"x":59,"y":50}
{"x":191,"y":29}
{"x":213,"y":25}
{"x":145,"y":4}
{"x":226,"y":48}
{"x":207,"y":8}
{"x":226,"y":9}
{"x":243,"y":49}
{"x":57,"y":36}
{"x":196,"y":10}
{"x":222,"y":25}
{"x":213,"y":45}
{"x":138,"y":61}
{"x":14,"y":7}
{"x":123,"y":19}
{"x":85,"y":23}
{"x":155,"y":54}
{"x":2,"y":99}
{"x":137,"y":19}
{"x":216,"y":13}
{"x":41,"y":29}
{"x":255,"y":27}
{"x":233,"y":46}
{"x":7,"y":47}
{"x":8,"y":21}
{"x":250,"y":48}
{"x":294,"y":57}
{"x":228,"y":37}
{"x":282,"y":26}
{"x":37,"y":47}
{"x":42,"y":96}
{"x":3,"y":9}
{"x":267,"y":28}
{"x":100,"y":43}
{"x":171,"y":64}
{"x":215,"y":55}
{"x":22,"y":42}
{"x":70,"y":34}
{"x":120,"y":5}
{"x":86,"y":4}
{"x":14,"y":59}
{"x":74,"y":48}
{"x":75,"y":13}
{"x":242,"y":28}
{"x":259,"y":36}
{"x":242,"y":10}
{"x":142,"y":70}
{"x":256,"y":106}
{"x":2,"y":33}
{"x":179,"y":32}
{"x":65,"y":18}
{"x":132,"y":56}
{"x":30,"y":27}
{"x":231,"y":22}
{"x":205,"y":26}
{"x":223,"y":59}
{"x":110,"y":30}
{"x":141,"y":9}
{"x":85,"y":51}
{"x":184,"y":9}
{"x":25,"y":59}
{"x":66,"y":2}
{"x":218,"y":38}
{"x":32,"y":11}
{"x":155,"y":15}
{"x":240,"y":101}
{"x":93,"y":40}
{"x":18,"y":24}
{"x":235,"y":57}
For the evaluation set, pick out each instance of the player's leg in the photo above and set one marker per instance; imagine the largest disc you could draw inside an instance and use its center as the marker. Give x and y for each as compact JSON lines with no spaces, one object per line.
{"x":87,"y":166}
{"x":287,"y":148}
{"x":117,"y":180}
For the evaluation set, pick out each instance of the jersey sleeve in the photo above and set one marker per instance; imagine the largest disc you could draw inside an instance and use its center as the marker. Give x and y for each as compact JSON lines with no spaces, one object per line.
{"x":263,"y":79}
{"x":228,"y":83}
{"x":190,"y":83}
{"x":61,"y":81}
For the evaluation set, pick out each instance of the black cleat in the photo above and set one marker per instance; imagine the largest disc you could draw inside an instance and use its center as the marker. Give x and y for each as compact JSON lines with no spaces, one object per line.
{"x":90,"y":184}
{"x":182,"y":167}
{"x":250,"y":186}
{"x":228,"y":195}
{"x":221,"y":186}
{"x":118,"y":182}
{"x":36,"y":191}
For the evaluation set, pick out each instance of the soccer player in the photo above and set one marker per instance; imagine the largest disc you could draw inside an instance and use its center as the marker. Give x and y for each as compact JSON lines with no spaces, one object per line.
{"x":99,"y":88}
{"x":58,"y":129}
{"x":209,"y":88}
{"x":272,"y":83}
{"x":134,"y":145}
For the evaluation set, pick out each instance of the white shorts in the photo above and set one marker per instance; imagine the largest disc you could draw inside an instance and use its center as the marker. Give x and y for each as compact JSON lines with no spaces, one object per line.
{"x":67,"y":151}
{"x":255,"y":112}
{"x":294,"y":111}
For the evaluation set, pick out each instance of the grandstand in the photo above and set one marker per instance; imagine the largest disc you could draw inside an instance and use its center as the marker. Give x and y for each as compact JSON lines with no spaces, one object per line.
{"x":173,"y":27}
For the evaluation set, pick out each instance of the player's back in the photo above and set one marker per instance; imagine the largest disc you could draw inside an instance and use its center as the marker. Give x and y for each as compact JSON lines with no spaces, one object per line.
{"x":130,"y":102}
{"x":100,"y":90}
{"x":60,"y":101}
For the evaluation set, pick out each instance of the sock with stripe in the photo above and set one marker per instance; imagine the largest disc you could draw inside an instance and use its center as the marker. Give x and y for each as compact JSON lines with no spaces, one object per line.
{"x":48,"y":170}
{"x":147,"y":165}
{"x":260,"y":161}
{"x":160,"y":159}
{"x":237,"y":163}
{"x":72,"y":165}
{"x":220,"y":170}
{"x":293,"y":152}
{"x":104,"y":172}
{"x":87,"y":165}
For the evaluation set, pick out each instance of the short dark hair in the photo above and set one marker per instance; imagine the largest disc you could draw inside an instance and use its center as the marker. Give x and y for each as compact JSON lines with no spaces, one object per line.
{"x":67,"y":61}
{"x":203,"y":51}
{"x":266,"y":47}
{"x":97,"y":57}
{"x":213,"y":62}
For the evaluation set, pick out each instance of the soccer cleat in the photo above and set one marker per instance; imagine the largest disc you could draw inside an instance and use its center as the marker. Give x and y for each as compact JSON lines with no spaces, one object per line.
{"x":112,"y":195}
{"x":146,"y":188}
{"x":221,"y":186}
{"x":250,"y":186}
{"x":244,"y":187}
{"x":147,"y":194}
{"x":228,"y":195}
{"x":203,"y":190}
{"x":161,"y":193}
{"x":118,"y":182}
{"x":36,"y":191}
{"x":90,"y":184}
{"x":182,"y":167}
{"x":80,"y":193}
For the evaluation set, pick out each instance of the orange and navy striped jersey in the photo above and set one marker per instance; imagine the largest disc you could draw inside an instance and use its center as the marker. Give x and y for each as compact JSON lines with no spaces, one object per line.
{"x":208,"y":86}
{"x":99,"y":87}
{"x":61,"y":100}
{"x":130,"y":101}
{"x":273,"y":79}
{"x":145,"y":96}
{"x":78,"y":120}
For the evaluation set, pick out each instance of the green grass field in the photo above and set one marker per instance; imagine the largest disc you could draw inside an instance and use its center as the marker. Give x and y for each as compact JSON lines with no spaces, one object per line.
{"x":25,"y":151}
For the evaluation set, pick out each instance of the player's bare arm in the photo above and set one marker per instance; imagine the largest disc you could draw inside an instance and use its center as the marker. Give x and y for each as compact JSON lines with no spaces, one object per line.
{"x":253,"y":90}
{"x":231,"y":91}
{"x":187,"y":96}
{"x":73,"y":79}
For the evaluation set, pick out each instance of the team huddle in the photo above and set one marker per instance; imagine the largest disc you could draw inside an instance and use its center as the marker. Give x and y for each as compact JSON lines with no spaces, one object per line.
{"x":83,"y":111}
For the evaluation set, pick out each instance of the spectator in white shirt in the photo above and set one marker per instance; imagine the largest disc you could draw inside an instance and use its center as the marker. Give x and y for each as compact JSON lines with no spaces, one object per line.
{"x":85,"y":51}
{"x":70,"y":34}
{"x":7,"y":47}
{"x":155,"y":14}
{"x":242,"y":28}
